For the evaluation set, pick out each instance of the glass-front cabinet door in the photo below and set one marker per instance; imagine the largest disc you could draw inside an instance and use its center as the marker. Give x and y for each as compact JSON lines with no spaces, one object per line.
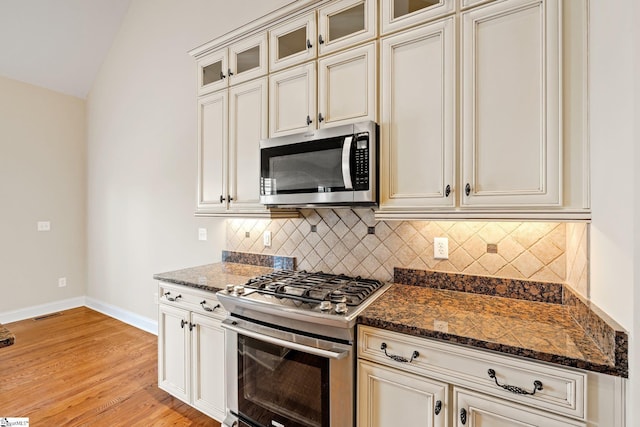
{"x":293,"y":42}
{"x":398,"y":14}
{"x":212,"y":72}
{"x":345,"y":23}
{"x":248,"y":59}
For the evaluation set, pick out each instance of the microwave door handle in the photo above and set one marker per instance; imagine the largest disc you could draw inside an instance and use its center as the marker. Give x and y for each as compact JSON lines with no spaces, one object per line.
{"x":346,"y":167}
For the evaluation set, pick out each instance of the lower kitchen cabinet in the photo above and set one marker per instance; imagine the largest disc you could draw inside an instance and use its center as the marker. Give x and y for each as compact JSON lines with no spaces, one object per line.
{"x":411,"y":381}
{"x":389,"y":397}
{"x":191,"y":356}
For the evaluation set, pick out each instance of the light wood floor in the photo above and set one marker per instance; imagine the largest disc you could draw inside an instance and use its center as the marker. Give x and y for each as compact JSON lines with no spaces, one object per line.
{"x":83,"y":368}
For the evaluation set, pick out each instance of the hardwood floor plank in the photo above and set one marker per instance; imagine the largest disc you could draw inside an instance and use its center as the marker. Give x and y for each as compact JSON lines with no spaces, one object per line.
{"x":83,"y":368}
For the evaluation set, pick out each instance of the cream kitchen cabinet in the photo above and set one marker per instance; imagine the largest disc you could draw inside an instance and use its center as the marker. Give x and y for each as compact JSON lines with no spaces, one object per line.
{"x":231,"y":123}
{"x":400,"y":14}
{"x":511,"y":136}
{"x":292,"y":42}
{"x":417,"y":128}
{"x":487,"y":387}
{"x":191,"y":356}
{"x":397,"y":398}
{"x":237,"y":63}
{"x":346,"y":84}
{"x":344,"y":23}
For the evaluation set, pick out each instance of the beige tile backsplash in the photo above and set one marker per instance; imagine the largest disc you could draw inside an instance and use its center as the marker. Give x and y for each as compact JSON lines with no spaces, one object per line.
{"x":543,"y":251}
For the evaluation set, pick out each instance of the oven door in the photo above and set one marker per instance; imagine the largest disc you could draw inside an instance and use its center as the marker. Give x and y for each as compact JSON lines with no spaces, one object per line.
{"x":283,"y":379}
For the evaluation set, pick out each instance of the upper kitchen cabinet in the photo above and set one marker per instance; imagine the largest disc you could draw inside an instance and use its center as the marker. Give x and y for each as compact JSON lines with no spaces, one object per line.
{"x":511,"y":105}
{"x":240,"y":62}
{"x":417,"y":127}
{"x":292,"y":42}
{"x":344,"y":23}
{"x":400,"y":14}
{"x":346,"y":84}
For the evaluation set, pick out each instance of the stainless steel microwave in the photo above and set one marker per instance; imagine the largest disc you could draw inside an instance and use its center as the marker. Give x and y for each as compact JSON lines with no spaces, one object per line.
{"x":328,"y":167}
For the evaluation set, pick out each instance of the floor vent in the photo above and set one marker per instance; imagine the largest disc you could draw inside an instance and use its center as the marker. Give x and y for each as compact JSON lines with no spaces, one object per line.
{"x":46,"y":316}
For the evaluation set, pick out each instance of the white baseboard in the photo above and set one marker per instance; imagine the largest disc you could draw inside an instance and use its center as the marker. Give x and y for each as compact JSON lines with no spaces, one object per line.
{"x":140,"y":322}
{"x":39,"y":310}
{"x":125,"y":316}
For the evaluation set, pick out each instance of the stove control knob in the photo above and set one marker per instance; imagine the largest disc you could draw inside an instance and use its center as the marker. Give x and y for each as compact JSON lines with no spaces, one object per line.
{"x":325,"y":305}
{"x":341,"y":308}
{"x":229,"y":288}
{"x":238,"y":289}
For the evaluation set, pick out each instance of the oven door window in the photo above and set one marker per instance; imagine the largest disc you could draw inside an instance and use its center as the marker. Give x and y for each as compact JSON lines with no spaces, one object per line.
{"x":278,"y":386}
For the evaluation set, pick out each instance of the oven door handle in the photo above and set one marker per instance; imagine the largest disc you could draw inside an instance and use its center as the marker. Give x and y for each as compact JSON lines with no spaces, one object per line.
{"x":331,"y":354}
{"x":346,"y":162}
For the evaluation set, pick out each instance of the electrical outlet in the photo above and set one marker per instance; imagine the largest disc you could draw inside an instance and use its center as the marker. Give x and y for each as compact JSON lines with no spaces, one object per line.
{"x":440,"y":248}
{"x":62,"y":282}
{"x":266,"y":239}
{"x":202,"y":234}
{"x":44,"y":226}
{"x":441,"y":326}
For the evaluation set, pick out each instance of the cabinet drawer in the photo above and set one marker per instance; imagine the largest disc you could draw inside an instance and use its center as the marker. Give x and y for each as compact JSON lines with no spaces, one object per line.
{"x":195,"y":300}
{"x":562,"y":391}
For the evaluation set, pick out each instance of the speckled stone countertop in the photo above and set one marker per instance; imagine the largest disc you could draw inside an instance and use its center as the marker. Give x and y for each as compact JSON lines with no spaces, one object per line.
{"x":213,"y":277}
{"x":6,"y":337}
{"x":531,"y":329}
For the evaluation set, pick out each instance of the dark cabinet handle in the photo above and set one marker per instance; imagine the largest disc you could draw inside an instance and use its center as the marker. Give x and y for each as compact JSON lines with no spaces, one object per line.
{"x":309,"y":121}
{"x":229,"y":72}
{"x":397,"y":358}
{"x":229,"y":198}
{"x":182,"y":323}
{"x":447,"y":191}
{"x":320,"y":118}
{"x":221,"y":198}
{"x":438,"y":407}
{"x":208,"y":308}
{"x":222,"y":76}
{"x":309,"y":45}
{"x":171,"y":298}
{"x":320,"y":39}
{"x":191,"y":326}
{"x":467,"y":189}
{"x":463,"y":416}
{"x":537,"y":385}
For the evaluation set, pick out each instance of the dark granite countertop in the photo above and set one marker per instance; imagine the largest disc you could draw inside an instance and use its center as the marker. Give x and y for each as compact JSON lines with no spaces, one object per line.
{"x":536,"y":330}
{"x":6,"y":337}
{"x":213,"y":277}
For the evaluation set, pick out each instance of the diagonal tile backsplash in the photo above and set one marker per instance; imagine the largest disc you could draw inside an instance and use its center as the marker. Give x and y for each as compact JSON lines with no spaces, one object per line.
{"x":340,"y":241}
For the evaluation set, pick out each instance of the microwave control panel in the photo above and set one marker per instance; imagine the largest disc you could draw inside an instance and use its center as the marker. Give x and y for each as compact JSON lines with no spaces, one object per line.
{"x":361,"y":157}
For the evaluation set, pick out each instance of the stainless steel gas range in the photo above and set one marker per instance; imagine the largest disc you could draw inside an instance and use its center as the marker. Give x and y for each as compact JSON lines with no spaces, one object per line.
{"x":290,"y":348}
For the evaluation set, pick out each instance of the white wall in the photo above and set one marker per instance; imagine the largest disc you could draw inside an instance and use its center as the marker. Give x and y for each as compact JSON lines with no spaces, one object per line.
{"x":615,"y":180}
{"x":42,"y":178}
{"x":142,"y":149}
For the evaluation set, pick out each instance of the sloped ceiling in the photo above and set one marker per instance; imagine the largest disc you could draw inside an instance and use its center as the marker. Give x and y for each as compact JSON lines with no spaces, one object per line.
{"x":57,"y":44}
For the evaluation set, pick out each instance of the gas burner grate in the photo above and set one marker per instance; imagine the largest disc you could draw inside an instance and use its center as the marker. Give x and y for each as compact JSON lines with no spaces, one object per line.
{"x":315,"y":287}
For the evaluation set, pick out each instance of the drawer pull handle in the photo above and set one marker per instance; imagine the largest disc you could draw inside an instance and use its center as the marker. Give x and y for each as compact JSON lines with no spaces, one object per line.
{"x":537,"y":385}
{"x":438,"y":407}
{"x":397,"y":358}
{"x":209,"y":309}
{"x":171,"y":298}
{"x":463,"y":416}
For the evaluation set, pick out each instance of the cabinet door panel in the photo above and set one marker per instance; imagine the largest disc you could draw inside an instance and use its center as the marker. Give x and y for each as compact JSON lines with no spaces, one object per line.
{"x":248,"y":125}
{"x":292,"y":98}
{"x":387,"y":397}
{"x":212,"y":72}
{"x":212,"y":150}
{"x":207,"y":362}
{"x":347,"y":86}
{"x":482,"y":410}
{"x":397,"y":14}
{"x":418,"y":120}
{"x":344,"y":23}
{"x":173,"y":353}
{"x":510,"y":104}
{"x":292,"y":42}
{"x":248,"y":59}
